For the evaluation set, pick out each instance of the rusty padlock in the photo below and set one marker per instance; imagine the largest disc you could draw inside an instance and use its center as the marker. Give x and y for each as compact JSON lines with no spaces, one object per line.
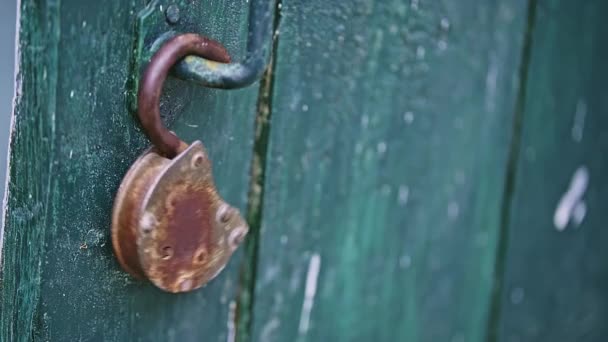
{"x":169,"y":224}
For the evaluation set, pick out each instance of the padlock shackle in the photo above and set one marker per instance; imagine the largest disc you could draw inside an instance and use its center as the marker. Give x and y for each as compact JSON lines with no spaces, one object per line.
{"x":151,"y":85}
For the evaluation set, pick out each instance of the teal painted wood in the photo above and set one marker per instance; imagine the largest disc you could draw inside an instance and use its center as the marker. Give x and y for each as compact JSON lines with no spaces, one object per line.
{"x":389,"y":135}
{"x":72,"y":142}
{"x":556,"y":280}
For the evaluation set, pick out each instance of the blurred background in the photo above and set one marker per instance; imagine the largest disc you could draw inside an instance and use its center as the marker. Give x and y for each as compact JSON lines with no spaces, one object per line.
{"x":7,"y":77}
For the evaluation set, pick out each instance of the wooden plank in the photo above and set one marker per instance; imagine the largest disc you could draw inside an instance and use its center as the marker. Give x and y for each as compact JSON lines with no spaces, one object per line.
{"x":389,"y":135}
{"x":72,"y":142}
{"x":556,"y":276}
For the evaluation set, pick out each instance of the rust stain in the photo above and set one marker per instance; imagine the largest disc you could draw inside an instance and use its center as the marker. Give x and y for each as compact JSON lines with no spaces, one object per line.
{"x":169,"y":223}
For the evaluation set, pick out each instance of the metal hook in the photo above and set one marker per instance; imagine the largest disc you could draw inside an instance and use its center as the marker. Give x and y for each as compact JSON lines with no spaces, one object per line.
{"x":151,"y":85}
{"x":236,"y":75}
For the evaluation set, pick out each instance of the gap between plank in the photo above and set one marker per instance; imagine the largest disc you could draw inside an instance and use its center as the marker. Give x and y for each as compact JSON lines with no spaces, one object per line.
{"x":494,"y":315}
{"x":246,"y":292}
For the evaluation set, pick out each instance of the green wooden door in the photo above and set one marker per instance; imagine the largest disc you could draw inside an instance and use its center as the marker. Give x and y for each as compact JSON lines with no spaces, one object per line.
{"x":412,"y":170}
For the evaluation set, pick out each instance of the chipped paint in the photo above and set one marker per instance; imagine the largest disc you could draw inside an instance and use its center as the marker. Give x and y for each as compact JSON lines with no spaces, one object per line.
{"x":231,"y":323}
{"x":310,"y":291}
{"x":572,"y":199}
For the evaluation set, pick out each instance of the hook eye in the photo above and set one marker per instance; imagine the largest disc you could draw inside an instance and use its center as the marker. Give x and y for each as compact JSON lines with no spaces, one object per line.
{"x":151,"y":85}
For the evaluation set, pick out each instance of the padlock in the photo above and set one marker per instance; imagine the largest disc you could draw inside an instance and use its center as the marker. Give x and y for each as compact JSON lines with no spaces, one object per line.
{"x":169,"y":223}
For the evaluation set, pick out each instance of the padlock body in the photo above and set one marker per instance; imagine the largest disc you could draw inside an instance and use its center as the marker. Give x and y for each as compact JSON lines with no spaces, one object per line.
{"x":169,"y":224}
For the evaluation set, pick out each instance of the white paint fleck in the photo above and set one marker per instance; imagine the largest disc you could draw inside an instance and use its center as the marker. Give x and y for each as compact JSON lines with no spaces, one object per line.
{"x":284,"y":239}
{"x":84,"y":24}
{"x":269,"y":328}
{"x":445,"y":24}
{"x":579,"y":121}
{"x":408,"y":117}
{"x":491,"y":81}
{"x":270,"y":274}
{"x":579,"y":212}
{"x":71,"y":94}
{"x":404,"y":194}
{"x":192,"y":125}
{"x":442,"y":45}
{"x":453,"y":210}
{"x":381,"y":148}
{"x":305,"y":108}
{"x":358,"y":147}
{"x":310,"y":291}
{"x":231,"y":337}
{"x":364,"y":121}
{"x":405,"y":261}
{"x":71,"y":152}
{"x":517,"y":295}
{"x":414,"y":5}
{"x":420,"y":52}
{"x":571,"y":198}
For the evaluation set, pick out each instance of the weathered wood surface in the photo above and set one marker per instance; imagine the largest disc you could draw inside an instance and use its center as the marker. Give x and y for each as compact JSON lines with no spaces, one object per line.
{"x":556,"y":283}
{"x":410,"y":170}
{"x":389,"y":135}
{"x":72,"y":142}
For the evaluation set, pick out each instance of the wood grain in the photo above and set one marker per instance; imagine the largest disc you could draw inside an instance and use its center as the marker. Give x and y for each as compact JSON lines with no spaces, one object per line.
{"x":72,"y":142}
{"x":389,"y":134}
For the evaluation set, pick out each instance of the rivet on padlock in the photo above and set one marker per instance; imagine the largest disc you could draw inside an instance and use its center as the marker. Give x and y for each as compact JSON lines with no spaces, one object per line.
{"x":169,"y":224}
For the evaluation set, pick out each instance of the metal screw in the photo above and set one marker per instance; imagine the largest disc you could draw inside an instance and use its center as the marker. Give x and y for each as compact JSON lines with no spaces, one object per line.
{"x":236,"y":237}
{"x":172,"y":14}
{"x":224,"y":213}
{"x":198,"y":160}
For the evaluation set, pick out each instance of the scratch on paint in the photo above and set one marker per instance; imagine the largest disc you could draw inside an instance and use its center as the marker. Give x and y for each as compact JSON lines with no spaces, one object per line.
{"x":491,"y":81}
{"x":309,"y":292}
{"x":571,"y":204}
{"x":230,"y":324}
{"x":268,"y":329}
{"x":579,"y":121}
